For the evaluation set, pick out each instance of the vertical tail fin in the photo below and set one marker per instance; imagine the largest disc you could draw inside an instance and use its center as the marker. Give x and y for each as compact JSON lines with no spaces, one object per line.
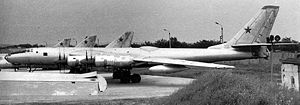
{"x":122,"y":42}
{"x":89,"y":41}
{"x":63,"y":43}
{"x":256,"y":30}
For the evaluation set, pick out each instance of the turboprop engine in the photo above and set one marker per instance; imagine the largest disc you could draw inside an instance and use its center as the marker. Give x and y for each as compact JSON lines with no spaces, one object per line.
{"x":167,"y":68}
{"x":75,"y":60}
{"x":121,"y":61}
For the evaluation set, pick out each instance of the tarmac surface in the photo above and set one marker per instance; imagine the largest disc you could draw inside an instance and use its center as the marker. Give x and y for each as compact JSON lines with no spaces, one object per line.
{"x":150,"y":86}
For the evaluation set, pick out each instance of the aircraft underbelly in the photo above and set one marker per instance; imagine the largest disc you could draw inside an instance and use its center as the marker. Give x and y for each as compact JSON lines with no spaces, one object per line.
{"x":206,"y":56}
{"x":42,"y":60}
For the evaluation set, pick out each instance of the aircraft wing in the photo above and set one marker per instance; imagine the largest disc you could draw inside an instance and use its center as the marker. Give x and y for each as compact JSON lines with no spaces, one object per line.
{"x":262,"y":44}
{"x":183,"y":62}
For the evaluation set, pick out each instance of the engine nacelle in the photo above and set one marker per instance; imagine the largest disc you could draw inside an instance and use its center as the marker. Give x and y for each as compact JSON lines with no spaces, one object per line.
{"x":75,"y":60}
{"x":167,"y":68}
{"x":121,"y":61}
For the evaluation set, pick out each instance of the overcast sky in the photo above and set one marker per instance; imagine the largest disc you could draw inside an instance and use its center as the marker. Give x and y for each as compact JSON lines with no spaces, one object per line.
{"x":36,"y":21}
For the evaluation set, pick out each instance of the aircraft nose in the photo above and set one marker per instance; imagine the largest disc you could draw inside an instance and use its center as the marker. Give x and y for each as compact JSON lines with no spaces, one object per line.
{"x":12,"y":58}
{"x":7,"y":57}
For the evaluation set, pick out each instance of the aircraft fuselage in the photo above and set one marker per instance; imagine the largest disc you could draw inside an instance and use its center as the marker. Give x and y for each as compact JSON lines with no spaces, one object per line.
{"x":50,"y":56}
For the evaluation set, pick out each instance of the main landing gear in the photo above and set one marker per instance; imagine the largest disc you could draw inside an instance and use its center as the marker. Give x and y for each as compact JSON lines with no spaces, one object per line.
{"x":78,"y":70}
{"x":125,"y":75}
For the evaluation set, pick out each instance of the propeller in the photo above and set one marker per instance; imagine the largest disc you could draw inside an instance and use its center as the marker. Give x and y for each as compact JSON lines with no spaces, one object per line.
{"x":88,"y":62}
{"x":86,"y":59}
{"x":59,"y":61}
{"x":62,"y":61}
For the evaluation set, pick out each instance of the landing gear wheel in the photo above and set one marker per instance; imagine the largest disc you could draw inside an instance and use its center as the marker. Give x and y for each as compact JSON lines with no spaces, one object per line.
{"x":16,"y":69}
{"x":125,"y":79}
{"x":135,"y":78}
{"x":116,"y":75}
{"x":74,"y":70}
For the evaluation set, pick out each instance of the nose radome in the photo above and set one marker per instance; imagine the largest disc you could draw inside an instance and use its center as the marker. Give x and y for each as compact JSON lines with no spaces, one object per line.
{"x":6,"y":56}
{"x":10,"y":58}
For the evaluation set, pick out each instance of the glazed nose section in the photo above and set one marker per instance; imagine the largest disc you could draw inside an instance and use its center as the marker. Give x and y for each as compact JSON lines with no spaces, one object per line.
{"x":12,"y":58}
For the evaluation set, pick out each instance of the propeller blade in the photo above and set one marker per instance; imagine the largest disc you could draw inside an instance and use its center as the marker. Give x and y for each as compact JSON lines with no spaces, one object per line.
{"x":86,"y":56}
{"x":59,"y":56}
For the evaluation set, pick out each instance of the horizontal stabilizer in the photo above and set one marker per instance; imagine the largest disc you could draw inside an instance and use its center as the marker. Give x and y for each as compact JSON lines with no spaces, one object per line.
{"x":183,"y":62}
{"x":262,"y":44}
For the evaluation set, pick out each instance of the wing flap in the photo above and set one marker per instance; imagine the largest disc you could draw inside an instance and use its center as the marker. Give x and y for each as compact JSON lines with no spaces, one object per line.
{"x":183,"y":62}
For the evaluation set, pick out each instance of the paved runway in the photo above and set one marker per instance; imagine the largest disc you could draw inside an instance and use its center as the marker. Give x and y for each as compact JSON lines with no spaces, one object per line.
{"x":150,"y":86}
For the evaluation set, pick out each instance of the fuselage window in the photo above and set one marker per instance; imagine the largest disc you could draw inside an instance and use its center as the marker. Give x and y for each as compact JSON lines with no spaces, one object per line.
{"x":45,"y":54}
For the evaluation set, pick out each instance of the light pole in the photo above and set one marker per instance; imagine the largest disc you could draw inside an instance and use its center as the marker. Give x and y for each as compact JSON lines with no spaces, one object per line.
{"x":75,"y":41}
{"x":221,"y":37}
{"x":169,"y":37}
{"x":45,"y":44}
{"x":98,"y":41}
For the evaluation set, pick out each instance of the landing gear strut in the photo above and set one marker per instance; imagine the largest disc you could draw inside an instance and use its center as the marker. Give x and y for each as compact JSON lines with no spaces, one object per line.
{"x":79,"y":70}
{"x":16,"y":69}
{"x":125,"y":76}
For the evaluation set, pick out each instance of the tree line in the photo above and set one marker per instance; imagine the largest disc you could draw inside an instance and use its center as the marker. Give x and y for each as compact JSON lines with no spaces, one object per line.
{"x":163,"y":43}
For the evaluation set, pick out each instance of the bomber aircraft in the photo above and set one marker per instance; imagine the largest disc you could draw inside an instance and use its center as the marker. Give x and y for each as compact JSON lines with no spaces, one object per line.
{"x":4,"y":64}
{"x":63,"y":43}
{"x":248,"y":43}
{"x":90,"y":41}
{"x":122,"y":41}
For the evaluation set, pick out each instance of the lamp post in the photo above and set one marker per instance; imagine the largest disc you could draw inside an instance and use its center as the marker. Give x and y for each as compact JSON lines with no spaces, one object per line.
{"x":221,"y":37}
{"x":169,"y":37}
{"x":98,"y":42}
{"x":271,"y":58}
{"x":75,"y":41}
{"x":45,"y":44}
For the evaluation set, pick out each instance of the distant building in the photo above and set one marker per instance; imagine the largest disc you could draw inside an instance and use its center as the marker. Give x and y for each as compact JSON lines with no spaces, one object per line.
{"x":290,"y":73}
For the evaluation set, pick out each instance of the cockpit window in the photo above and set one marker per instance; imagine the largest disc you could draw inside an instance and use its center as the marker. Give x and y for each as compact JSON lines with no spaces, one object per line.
{"x":45,"y":54}
{"x":22,"y":51}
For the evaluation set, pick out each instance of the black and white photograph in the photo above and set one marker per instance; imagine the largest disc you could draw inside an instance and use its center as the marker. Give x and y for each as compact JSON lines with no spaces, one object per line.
{"x":150,"y":52}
